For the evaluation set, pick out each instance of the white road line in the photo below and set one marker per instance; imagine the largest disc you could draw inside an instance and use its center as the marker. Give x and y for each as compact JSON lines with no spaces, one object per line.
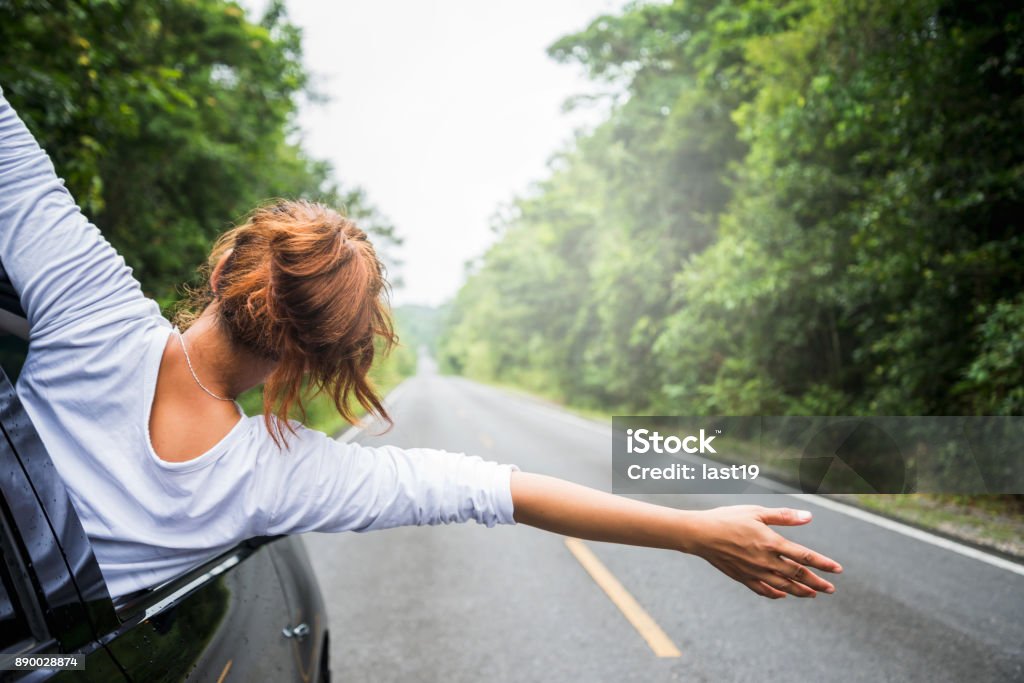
{"x":389,"y":403}
{"x":911,"y":532}
{"x":350,"y":433}
{"x":778,"y":488}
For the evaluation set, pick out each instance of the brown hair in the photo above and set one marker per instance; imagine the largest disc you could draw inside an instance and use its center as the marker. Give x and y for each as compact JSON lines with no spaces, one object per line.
{"x":302,"y":286}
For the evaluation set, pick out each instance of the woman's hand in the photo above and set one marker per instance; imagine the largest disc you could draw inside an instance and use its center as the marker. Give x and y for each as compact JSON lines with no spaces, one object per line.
{"x":738,"y":542}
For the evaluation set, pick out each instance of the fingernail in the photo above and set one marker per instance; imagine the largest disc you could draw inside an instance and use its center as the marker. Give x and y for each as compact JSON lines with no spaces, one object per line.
{"x":803,"y":515}
{"x":837,"y":569}
{"x":830,"y":590}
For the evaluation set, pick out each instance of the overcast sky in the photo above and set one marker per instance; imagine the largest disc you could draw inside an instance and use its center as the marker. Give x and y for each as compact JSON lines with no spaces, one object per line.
{"x":441,"y":111}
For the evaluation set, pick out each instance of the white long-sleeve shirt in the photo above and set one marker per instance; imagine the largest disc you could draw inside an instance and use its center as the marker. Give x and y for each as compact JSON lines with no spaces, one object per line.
{"x":88,"y":383}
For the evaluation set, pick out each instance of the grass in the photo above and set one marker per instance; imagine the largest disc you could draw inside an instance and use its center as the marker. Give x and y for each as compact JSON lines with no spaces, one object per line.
{"x":321,"y":413}
{"x":988,"y":521}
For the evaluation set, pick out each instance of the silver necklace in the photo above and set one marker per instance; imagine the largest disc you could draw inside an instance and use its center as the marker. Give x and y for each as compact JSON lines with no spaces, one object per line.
{"x":191,"y":369}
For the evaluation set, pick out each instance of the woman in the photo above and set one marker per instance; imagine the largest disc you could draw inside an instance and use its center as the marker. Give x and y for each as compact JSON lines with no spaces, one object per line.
{"x":164,"y":469}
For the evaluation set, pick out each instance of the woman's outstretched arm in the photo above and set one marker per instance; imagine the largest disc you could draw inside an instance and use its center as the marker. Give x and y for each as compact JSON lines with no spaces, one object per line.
{"x":736,"y":540}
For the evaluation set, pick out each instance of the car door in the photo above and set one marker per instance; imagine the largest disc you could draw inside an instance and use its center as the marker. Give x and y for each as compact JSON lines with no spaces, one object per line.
{"x":225,"y":618}
{"x":49,"y":602}
{"x":306,"y":627}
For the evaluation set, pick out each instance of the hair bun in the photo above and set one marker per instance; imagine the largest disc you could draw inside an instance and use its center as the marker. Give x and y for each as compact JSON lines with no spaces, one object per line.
{"x":304,"y":286}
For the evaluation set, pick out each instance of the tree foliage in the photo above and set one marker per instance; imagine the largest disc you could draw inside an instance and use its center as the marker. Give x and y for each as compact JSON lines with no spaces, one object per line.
{"x":168,"y":119}
{"x":805,"y":207}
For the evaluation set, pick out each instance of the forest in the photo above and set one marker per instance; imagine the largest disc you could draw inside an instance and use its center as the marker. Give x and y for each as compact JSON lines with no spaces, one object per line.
{"x":169,"y":121}
{"x":792,"y":208}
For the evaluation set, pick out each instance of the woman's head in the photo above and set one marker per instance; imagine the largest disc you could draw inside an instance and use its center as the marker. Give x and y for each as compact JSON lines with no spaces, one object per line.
{"x":301,"y":285}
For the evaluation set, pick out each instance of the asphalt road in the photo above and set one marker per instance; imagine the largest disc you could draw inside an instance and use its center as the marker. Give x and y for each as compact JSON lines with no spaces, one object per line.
{"x":467,"y":603}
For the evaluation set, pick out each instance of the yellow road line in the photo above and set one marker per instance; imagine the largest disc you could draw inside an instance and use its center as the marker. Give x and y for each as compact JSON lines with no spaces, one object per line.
{"x":224,"y":673}
{"x":620,"y":597}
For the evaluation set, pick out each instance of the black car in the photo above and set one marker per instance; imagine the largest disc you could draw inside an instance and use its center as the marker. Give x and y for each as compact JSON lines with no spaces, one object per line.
{"x":252,"y":614}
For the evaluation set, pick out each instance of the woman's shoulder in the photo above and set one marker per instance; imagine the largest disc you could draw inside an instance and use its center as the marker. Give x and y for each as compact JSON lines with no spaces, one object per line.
{"x":294,"y":441}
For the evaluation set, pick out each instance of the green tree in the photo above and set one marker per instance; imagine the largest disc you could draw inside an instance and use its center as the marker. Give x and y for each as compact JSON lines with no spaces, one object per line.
{"x":806,"y":207}
{"x":168,"y":119}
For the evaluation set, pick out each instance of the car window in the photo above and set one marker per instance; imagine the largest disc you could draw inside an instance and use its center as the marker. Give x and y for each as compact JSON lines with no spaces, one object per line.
{"x":13,"y":329}
{"x":13,"y":352}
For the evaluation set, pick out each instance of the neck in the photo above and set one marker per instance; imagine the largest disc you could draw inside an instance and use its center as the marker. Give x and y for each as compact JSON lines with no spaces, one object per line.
{"x":221,"y":366}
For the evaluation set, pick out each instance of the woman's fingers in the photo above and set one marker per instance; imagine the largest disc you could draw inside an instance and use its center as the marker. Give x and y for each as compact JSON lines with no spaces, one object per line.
{"x":781,"y":583}
{"x":801,"y":574}
{"x":798,"y":553}
{"x":802,"y":555}
{"x":784,"y":516}
{"x":738,"y":542}
{"x":761,"y":588}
